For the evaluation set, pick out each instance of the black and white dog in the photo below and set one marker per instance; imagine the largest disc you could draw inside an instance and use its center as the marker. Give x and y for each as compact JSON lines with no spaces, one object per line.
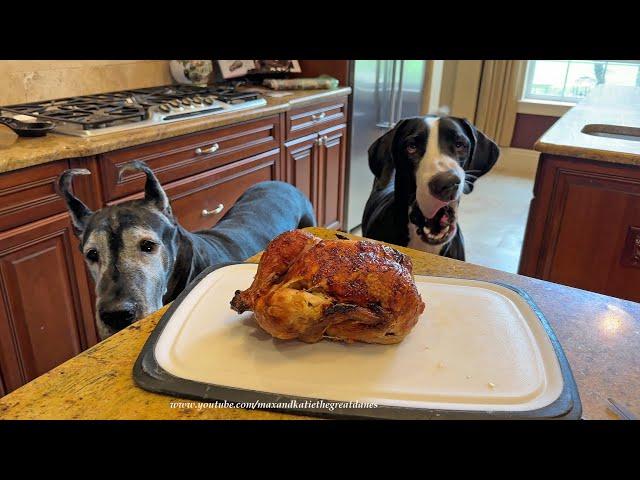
{"x":422,"y":167}
{"x":141,"y":258}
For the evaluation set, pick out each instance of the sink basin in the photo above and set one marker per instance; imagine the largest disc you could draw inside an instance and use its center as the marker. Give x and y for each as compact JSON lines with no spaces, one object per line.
{"x":612,"y":131}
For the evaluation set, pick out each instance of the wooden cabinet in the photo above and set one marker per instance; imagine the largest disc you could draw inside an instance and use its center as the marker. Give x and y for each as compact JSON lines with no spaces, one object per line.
{"x":316,"y":161}
{"x":45,"y":308}
{"x":313,"y":118}
{"x":46,"y":295}
{"x":331,"y":173}
{"x":584,"y":226}
{"x":187,"y":155}
{"x":301,"y":159}
{"x":29,"y":194}
{"x":316,"y":165}
{"x":201,"y":201}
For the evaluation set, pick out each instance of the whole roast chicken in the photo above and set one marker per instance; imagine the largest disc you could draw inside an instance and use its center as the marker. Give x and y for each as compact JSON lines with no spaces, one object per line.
{"x":307,"y":288}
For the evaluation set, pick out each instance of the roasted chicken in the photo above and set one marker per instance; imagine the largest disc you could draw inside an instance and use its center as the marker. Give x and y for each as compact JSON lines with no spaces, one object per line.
{"x":308,"y":288}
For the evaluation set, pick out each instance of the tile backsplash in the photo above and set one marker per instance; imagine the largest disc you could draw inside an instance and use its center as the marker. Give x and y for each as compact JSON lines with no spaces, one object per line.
{"x":24,"y":81}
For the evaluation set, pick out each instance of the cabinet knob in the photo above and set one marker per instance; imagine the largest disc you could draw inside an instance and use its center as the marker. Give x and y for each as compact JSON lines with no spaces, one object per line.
{"x":318,"y":116}
{"x":218,"y":209}
{"x":211,"y":149}
{"x":322,"y":140}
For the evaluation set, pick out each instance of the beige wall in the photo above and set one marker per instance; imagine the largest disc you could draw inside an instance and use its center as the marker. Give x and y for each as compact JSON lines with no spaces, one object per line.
{"x":33,"y":80}
{"x":449,"y":71}
{"x":460,"y":86}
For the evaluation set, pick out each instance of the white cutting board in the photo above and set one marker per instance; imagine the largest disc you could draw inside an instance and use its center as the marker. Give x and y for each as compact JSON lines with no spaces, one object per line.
{"x":477,"y":346}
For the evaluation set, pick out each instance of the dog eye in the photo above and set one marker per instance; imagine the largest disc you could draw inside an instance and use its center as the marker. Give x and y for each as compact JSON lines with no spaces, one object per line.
{"x":460,"y":145}
{"x":411,"y":148}
{"x":92,"y":255}
{"x":147,"y":246}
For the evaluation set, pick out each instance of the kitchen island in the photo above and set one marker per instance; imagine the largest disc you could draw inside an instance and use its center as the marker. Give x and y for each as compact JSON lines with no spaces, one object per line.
{"x":583,"y":228}
{"x":600,"y":336}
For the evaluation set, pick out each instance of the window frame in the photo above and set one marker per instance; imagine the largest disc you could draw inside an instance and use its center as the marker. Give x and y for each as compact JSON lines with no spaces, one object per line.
{"x":547,"y":105}
{"x":564,"y":99}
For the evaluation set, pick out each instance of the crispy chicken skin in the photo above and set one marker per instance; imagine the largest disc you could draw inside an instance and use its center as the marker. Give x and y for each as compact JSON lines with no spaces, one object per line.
{"x":308,"y":288}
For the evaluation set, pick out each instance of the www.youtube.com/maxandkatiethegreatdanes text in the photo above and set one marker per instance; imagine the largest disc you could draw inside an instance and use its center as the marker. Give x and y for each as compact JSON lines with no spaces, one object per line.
{"x":291,"y":404}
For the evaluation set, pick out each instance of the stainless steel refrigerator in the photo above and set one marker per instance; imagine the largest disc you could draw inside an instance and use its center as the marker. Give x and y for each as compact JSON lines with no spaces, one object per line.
{"x":384,"y":91}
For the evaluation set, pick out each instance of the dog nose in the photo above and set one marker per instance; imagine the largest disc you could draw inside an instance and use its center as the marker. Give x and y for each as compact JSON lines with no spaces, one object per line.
{"x":119,"y":318}
{"x":444,"y":185}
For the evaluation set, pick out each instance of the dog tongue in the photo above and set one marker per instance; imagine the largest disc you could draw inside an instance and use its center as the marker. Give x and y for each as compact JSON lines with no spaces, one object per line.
{"x":434,"y":206}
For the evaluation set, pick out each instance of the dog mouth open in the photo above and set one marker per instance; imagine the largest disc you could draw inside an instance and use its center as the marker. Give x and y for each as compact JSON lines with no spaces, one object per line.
{"x":440,"y":227}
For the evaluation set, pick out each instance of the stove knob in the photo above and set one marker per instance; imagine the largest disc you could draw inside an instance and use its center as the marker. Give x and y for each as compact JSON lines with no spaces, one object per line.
{"x":174,"y":103}
{"x":165,"y":108}
{"x":208,"y":100}
{"x":197,"y":100}
{"x":186,"y":101}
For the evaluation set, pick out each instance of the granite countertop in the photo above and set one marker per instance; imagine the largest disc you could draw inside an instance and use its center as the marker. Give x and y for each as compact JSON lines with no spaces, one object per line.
{"x":16,"y":152}
{"x":612,"y":108}
{"x":600,"y":336}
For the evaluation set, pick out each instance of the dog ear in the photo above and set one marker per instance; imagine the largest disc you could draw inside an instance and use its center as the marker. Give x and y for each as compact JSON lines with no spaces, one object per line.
{"x":483,"y":156}
{"x":381,"y":160}
{"x":79,"y":212}
{"x":153,"y":191}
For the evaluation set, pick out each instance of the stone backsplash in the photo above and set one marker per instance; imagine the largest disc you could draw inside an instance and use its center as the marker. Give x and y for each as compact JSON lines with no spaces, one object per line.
{"x":24,"y":81}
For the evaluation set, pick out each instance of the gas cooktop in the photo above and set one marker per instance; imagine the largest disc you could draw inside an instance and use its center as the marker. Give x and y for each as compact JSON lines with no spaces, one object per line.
{"x":117,"y":111}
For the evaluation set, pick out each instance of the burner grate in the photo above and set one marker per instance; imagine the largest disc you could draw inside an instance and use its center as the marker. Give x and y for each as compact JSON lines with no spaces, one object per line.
{"x":107,"y":109}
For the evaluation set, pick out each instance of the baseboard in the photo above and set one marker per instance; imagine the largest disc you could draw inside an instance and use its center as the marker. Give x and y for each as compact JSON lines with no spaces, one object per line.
{"x":518,"y":161}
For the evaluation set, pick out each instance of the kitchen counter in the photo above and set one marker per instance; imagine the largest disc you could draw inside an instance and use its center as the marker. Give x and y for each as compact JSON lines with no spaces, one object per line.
{"x":600,"y":336}
{"x":616,"y":110}
{"x":18,"y":152}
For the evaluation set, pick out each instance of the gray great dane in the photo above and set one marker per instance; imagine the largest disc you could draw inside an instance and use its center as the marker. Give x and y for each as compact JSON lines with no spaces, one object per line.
{"x":141,"y":258}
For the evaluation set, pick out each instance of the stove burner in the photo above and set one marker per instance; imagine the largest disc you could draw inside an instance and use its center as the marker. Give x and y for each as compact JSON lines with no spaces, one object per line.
{"x":104,"y":110}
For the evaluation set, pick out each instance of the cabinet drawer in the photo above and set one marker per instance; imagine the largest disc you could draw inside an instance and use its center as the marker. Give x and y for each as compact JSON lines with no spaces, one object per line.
{"x":183,"y":156}
{"x":216,"y":191}
{"x":313,"y":118}
{"x":29,"y":194}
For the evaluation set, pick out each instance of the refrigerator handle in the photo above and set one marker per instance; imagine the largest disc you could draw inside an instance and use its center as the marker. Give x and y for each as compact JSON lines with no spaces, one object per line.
{"x":398,"y":111}
{"x":392,"y":97}
{"x":387,"y":123}
{"x":377,"y":94}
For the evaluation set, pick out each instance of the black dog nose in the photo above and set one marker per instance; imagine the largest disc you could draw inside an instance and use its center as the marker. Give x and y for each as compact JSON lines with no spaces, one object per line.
{"x":444,"y":186}
{"x":118,"y":319}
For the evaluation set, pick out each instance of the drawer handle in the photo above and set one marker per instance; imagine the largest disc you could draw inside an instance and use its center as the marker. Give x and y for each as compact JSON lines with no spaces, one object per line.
{"x":318,"y":116}
{"x":322,"y":140}
{"x":218,"y":209}
{"x":211,"y":149}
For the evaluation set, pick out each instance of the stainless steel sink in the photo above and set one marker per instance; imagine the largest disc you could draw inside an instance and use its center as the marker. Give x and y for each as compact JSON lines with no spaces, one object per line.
{"x":612,"y":131}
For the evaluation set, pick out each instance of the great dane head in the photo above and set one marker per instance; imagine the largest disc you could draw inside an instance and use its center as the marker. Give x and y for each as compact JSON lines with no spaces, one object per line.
{"x":130,"y":250}
{"x":435,"y":160}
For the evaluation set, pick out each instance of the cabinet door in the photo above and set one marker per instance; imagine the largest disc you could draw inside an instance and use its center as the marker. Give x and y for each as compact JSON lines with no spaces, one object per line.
{"x":331,"y":162}
{"x":582,"y":227}
{"x":302,"y":167}
{"x":45,"y":311}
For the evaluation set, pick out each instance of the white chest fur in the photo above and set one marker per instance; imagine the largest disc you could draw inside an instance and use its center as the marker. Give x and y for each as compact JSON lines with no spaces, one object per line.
{"x":417,"y":243}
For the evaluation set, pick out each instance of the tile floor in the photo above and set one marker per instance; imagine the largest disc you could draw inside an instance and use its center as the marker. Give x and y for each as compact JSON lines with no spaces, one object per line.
{"x":493,"y":219}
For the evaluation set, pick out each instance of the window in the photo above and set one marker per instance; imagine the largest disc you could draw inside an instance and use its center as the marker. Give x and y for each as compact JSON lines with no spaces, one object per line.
{"x":570,"y":80}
